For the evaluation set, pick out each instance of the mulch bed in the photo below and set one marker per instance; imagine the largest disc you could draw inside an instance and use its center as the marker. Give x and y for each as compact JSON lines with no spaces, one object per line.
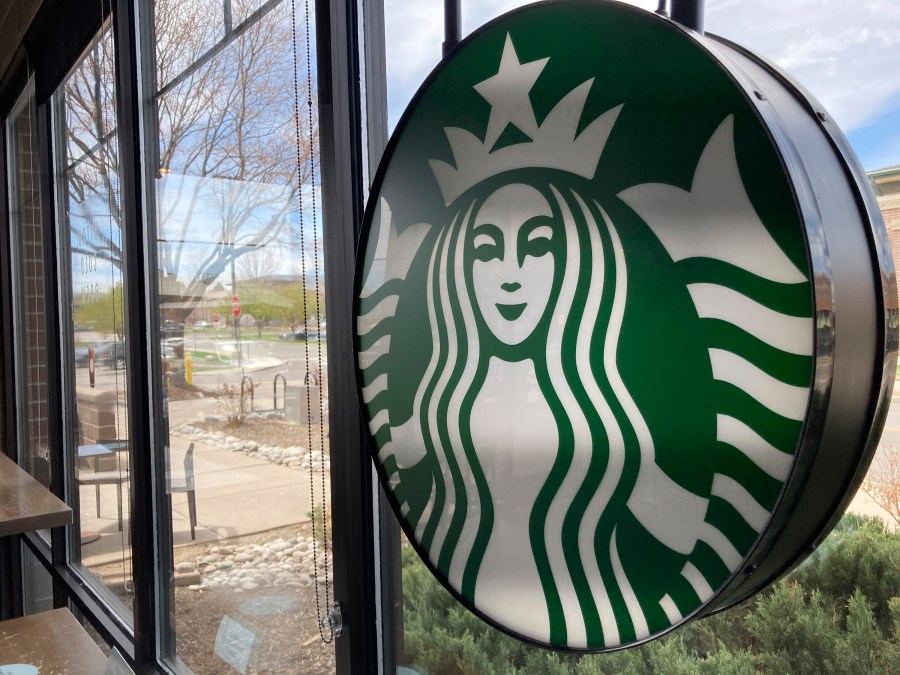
{"x":272,"y":631}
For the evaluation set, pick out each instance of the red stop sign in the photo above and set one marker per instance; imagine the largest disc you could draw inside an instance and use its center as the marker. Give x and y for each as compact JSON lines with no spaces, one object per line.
{"x":236,"y":306}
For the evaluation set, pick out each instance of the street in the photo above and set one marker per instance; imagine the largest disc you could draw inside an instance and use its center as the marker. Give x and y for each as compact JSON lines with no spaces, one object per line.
{"x":215,"y":363}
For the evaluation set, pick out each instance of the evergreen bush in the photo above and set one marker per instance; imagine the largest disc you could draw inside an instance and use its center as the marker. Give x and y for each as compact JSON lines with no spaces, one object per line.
{"x":837,"y":613}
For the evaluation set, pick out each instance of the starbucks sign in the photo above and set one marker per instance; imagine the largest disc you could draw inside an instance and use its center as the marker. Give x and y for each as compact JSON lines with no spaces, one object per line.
{"x":624,"y":324}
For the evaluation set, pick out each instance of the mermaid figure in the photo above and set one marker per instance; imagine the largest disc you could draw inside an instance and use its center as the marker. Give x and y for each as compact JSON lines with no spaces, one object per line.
{"x":525,"y":459}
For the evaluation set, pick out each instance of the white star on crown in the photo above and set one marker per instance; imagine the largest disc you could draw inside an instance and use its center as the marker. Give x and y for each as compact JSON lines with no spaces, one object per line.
{"x":553,"y":145}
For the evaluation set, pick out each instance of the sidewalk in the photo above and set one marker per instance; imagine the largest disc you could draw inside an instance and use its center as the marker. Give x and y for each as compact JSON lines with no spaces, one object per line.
{"x":249,"y":365}
{"x":236,"y":495}
{"x":862,"y":503}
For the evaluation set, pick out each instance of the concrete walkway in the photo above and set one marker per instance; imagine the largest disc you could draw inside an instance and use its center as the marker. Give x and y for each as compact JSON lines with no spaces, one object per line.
{"x":236,"y":495}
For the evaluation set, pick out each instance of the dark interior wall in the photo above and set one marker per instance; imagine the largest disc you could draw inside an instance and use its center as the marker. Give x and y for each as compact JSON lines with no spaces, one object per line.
{"x":15,"y":17}
{"x":24,"y":25}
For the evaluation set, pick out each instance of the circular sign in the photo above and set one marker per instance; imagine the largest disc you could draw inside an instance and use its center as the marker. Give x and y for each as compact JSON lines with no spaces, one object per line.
{"x":595,"y":319}
{"x":236,"y":306}
{"x":216,"y":318}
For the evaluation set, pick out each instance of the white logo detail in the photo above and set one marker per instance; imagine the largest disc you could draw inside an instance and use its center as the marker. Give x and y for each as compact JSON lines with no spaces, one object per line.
{"x":554,"y":144}
{"x":724,"y":225}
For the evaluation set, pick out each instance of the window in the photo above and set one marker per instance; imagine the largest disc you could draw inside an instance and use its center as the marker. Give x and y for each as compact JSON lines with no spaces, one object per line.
{"x":190,"y":339}
{"x":242,"y":337}
{"x":92,"y":289}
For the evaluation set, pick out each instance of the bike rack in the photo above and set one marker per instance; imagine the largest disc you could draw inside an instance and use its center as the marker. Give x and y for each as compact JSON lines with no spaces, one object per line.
{"x":275,"y":391}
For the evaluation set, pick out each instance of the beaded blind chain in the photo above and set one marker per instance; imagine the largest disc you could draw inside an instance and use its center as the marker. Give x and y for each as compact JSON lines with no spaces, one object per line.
{"x":318,"y":510}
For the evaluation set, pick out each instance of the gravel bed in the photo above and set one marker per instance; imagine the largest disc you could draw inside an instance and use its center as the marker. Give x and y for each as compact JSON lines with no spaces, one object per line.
{"x":280,"y":562}
{"x":291,"y":456}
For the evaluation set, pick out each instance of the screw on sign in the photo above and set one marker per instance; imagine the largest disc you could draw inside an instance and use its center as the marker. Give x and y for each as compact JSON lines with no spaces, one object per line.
{"x":236,"y":306}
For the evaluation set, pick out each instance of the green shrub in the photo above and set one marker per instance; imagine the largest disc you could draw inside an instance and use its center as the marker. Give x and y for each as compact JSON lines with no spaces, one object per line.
{"x":860,"y":554}
{"x":795,"y":631}
{"x":837,"y":613}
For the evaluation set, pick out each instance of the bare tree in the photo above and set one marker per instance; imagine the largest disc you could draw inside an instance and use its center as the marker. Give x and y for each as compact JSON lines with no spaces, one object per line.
{"x":882,"y":483}
{"x":229,"y":171}
{"x":92,"y":157}
{"x":258,"y":265}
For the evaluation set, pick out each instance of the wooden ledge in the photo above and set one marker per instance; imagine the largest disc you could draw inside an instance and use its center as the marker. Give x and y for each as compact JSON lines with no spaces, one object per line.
{"x":25,"y":504}
{"x":53,"y":641}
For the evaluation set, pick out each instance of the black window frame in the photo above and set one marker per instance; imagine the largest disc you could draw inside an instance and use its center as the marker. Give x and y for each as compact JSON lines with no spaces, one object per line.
{"x":365,"y":539}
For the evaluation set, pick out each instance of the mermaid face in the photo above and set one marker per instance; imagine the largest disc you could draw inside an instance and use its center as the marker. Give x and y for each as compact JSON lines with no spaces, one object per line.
{"x":513,"y":270}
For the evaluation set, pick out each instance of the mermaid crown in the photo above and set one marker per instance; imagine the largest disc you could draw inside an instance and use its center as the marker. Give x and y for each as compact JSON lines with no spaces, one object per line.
{"x":555,"y":144}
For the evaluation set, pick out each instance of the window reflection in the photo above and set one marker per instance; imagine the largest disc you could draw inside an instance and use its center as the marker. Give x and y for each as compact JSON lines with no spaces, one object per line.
{"x":93,"y":319}
{"x":242,"y":337}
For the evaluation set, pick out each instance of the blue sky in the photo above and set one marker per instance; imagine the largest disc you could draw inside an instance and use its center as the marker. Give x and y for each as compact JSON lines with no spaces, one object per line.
{"x":847,"y":54}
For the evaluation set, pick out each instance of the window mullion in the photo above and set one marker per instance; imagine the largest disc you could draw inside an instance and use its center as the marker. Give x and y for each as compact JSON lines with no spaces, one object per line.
{"x":353,"y":526}
{"x":138,"y":257}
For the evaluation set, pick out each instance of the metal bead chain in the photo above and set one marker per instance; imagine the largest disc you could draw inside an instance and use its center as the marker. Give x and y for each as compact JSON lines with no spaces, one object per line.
{"x":326,"y":627}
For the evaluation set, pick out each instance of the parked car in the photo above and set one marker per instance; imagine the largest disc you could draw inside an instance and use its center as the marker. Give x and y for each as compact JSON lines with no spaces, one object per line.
{"x":81,"y":357}
{"x":170,"y":325}
{"x":299,"y":334}
{"x":109,"y":354}
{"x":173,"y":347}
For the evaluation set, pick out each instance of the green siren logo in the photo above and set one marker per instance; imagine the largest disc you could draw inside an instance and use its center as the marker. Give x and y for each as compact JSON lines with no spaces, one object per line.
{"x":584,"y":328}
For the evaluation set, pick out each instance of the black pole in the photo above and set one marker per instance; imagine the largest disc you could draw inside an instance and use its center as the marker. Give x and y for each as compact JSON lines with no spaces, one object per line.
{"x":452,"y":25}
{"x":689,"y":13}
{"x":142,"y":377}
{"x":343,"y":195}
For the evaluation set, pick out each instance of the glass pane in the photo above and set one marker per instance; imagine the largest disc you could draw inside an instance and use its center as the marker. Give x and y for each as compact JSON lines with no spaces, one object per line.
{"x":767,"y":633}
{"x":28,"y":265}
{"x":204,"y":21}
{"x":242,"y":341}
{"x":37,"y":584}
{"x":241,"y":10}
{"x":92,"y":279}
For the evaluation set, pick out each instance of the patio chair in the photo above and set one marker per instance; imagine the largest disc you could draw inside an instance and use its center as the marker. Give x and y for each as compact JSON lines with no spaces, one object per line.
{"x":186,"y":484}
{"x":115,"y":476}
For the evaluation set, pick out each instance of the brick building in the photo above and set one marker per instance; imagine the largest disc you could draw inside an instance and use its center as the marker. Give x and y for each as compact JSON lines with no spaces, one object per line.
{"x":886,"y":183}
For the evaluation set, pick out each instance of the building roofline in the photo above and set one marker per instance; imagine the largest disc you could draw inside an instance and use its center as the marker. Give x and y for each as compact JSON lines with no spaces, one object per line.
{"x":887,"y":172}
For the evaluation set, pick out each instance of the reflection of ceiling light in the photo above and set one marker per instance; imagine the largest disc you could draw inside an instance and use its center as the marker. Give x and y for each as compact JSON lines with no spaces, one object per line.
{"x":163,"y":172}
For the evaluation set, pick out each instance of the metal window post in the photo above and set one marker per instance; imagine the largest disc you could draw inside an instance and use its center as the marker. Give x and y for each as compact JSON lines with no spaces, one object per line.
{"x":142,"y":374}
{"x":389,"y":560}
{"x":352,"y":512}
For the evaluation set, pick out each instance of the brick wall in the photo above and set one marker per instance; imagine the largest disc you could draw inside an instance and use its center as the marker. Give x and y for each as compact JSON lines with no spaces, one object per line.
{"x":30,"y":285}
{"x":890,"y":210}
{"x":891,"y":216}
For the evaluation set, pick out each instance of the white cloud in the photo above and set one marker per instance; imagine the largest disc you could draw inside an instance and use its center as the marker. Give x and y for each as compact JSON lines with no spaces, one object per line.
{"x":847,"y":54}
{"x":414,"y":33}
{"x":478,"y":12}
